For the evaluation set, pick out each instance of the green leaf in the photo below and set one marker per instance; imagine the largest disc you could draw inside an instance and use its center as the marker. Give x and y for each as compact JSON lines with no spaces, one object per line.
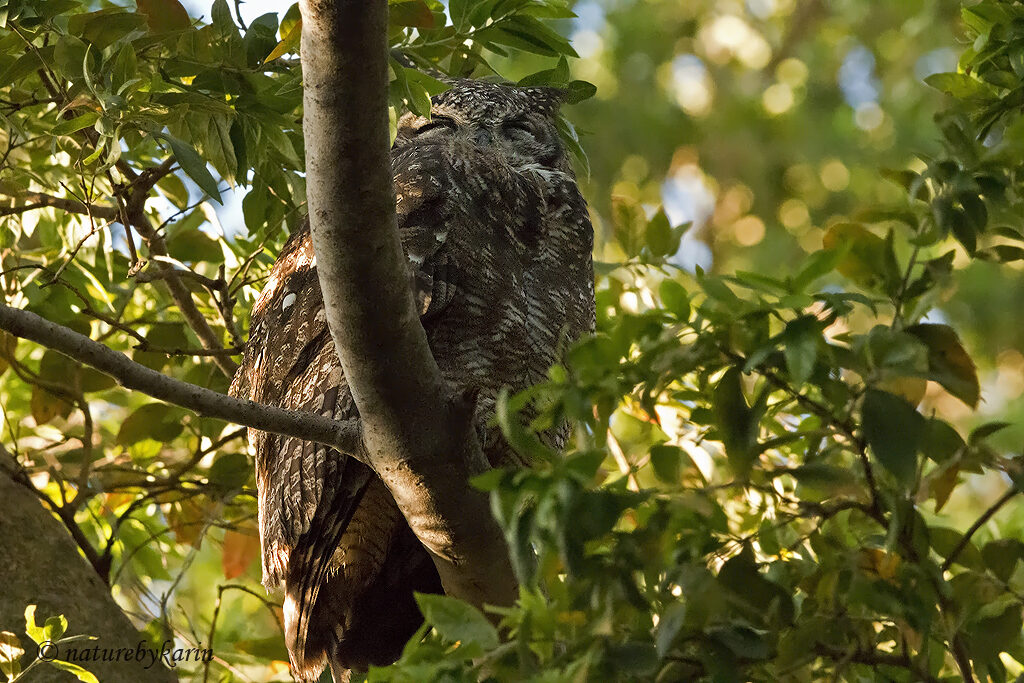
{"x":673,"y":295}
{"x":157,"y":421}
{"x":26,"y":64}
{"x":36,"y":633}
{"x":11,"y":652}
{"x":55,"y":627}
{"x":667,"y":462}
{"x":230,"y":471}
{"x":1002,"y":555}
{"x":960,"y":86}
{"x":982,"y":432}
{"x":628,"y":224}
{"x":817,"y":265}
{"x":526,"y":33}
{"x":945,"y":540}
{"x":997,"y":630}
{"x":800,"y":347}
{"x":578,"y":91}
{"x":457,"y":621}
{"x":661,"y":239}
{"x":125,"y":68}
{"x":636,"y":658}
{"x":829,"y":480}
{"x":290,"y":43}
{"x":74,"y":669}
{"x":669,"y":626}
{"x":164,"y":15}
{"x":867,"y":259}
{"x":557,"y":76}
{"x":270,"y":647}
{"x":220,"y":14}
{"x":948,"y":362}
{"x":68,"y":56}
{"x":193,"y":166}
{"x":194,"y":246}
{"x":73,"y":125}
{"x":894,"y":430}
{"x":736,"y":422}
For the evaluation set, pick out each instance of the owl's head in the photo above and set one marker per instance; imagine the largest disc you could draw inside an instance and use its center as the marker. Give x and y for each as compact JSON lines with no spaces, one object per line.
{"x":518,"y":123}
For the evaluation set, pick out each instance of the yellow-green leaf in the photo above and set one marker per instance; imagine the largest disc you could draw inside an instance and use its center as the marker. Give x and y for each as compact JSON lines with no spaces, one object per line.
{"x":288,"y":44}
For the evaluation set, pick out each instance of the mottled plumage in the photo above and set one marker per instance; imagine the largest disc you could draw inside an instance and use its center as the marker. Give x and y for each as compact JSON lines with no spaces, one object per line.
{"x":499,"y":242}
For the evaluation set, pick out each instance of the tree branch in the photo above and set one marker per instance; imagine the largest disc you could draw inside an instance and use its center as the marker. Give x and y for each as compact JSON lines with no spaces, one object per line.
{"x":179,"y":292}
{"x":39,"y":200}
{"x":344,"y":436}
{"x":420,"y":439}
{"x":978,"y":523}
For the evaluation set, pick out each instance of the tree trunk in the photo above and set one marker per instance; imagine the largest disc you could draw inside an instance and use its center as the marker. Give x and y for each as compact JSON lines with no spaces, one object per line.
{"x":420,"y":439}
{"x":41,"y":565}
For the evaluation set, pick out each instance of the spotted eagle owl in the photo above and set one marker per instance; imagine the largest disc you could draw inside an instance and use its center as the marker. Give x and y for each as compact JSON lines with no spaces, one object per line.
{"x":498,"y":242}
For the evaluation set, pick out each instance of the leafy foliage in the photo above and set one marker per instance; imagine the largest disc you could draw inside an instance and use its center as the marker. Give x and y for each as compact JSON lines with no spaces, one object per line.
{"x":49,"y":639}
{"x":776,"y":457}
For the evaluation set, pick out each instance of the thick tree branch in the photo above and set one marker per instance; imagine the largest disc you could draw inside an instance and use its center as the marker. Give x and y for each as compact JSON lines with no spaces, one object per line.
{"x":420,"y":439}
{"x":344,"y":436}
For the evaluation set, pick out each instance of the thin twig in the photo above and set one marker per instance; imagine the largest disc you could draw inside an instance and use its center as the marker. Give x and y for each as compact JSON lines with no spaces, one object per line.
{"x":978,"y":523}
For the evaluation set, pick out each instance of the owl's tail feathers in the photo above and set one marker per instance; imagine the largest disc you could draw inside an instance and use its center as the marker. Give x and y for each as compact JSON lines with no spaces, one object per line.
{"x":351,"y":627}
{"x":308,"y":625}
{"x":307,"y":638}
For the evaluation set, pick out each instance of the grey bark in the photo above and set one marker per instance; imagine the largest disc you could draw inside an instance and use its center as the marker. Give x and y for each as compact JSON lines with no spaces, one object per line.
{"x":420,"y":438}
{"x":40,"y":565}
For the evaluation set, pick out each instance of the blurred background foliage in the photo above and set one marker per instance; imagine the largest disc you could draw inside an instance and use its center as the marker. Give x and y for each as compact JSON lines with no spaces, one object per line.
{"x":784,"y":232}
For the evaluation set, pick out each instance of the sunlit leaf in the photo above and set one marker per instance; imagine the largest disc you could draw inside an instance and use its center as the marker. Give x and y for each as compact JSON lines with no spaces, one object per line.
{"x":288,"y":44}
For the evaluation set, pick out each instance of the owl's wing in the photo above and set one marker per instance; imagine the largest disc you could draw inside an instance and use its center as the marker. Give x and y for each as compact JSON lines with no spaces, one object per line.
{"x":315,"y":511}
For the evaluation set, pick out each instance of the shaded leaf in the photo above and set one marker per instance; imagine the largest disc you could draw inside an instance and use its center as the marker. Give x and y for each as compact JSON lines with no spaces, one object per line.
{"x":164,"y":15}
{"x":673,"y":295}
{"x":239,"y":550}
{"x":193,"y":166}
{"x":737,"y":424}
{"x":667,"y":462}
{"x":230,"y":471}
{"x":1001,"y":556}
{"x":894,"y":430}
{"x":457,"y":621}
{"x":156,"y":421}
{"x":800,"y":347}
{"x":948,"y":362}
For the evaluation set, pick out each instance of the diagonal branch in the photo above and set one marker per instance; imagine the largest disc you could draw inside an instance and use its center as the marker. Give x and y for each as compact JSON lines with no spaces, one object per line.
{"x":179,"y":292}
{"x":344,"y":436}
{"x":420,"y":438}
